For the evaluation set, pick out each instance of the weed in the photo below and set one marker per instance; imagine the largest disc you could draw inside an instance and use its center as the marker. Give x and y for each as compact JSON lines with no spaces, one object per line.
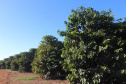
{"x":9,"y":70}
{"x":24,"y":79}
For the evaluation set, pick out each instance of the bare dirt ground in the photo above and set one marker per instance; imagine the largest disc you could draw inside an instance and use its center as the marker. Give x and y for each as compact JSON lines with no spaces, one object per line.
{"x":13,"y":77}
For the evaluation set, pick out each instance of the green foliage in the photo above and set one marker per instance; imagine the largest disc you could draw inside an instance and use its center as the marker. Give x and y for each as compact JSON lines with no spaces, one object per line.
{"x":14,"y":65}
{"x":24,"y":64}
{"x":7,"y":63}
{"x":2,"y":65}
{"x":94,"y":47}
{"x":49,"y":39}
{"x":21,"y":62}
{"x":46,"y":64}
{"x":26,"y":60}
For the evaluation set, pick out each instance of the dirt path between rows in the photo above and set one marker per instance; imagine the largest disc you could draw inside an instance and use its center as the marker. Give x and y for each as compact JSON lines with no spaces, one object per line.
{"x":12,"y":77}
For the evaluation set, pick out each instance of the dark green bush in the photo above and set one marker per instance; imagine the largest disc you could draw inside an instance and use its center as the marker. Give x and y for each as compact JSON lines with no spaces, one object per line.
{"x":26,"y":60}
{"x":14,"y":65}
{"x":2,"y":65}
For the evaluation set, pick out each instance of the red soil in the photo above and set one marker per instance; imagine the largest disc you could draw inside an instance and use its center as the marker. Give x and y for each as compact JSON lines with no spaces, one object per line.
{"x":7,"y":77}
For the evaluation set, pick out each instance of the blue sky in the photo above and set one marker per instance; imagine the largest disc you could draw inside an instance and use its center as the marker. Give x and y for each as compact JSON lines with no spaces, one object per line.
{"x":23,"y":23}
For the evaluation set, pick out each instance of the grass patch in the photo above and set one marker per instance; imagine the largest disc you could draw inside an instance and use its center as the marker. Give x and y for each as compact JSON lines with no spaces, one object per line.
{"x":24,"y":79}
{"x":9,"y":70}
{"x":46,"y":82}
{"x":62,"y":83}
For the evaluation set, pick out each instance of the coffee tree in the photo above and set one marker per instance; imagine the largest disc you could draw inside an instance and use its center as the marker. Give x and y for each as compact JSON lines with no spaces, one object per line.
{"x":14,"y":65}
{"x":2,"y":64}
{"x":95,"y":47}
{"x":26,"y":60}
{"x":47,"y":62}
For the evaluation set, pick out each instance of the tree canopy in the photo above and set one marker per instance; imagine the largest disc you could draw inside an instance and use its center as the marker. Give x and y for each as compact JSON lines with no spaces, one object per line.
{"x":94,"y":47}
{"x":47,"y":62}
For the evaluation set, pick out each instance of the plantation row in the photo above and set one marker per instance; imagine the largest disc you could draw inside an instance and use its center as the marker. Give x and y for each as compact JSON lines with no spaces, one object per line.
{"x":21,"y":62}
{"x":45,"y":60}
{"x":93,"y":51}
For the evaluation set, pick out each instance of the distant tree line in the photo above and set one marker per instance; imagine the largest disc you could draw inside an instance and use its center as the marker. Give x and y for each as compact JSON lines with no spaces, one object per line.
{"x":21,"y":61}
{"x":93,"y":51}
{"x":44,"y":61}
